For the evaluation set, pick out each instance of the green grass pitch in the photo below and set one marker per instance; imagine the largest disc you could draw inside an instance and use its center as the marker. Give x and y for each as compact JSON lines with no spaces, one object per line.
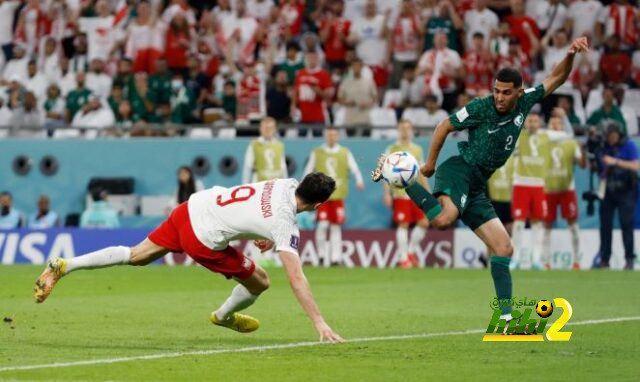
{"x":126,"y":312}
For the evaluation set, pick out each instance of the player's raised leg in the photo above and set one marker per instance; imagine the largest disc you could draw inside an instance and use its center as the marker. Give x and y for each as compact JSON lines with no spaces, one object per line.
{"x":242,"y":296}
{"x":496,"y":238}
{"x":141,"y":254}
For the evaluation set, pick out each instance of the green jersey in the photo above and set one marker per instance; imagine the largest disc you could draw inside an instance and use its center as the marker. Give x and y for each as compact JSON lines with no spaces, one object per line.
{"x":268,"y":158}
{"x":560,"y":175}
{"x":501,"y":183}
{"x":334,"y":163}
{"x":411,"y":148}
{"x":76,"y":99}
{"x":532,"y":158}
{"x":492,"y":135}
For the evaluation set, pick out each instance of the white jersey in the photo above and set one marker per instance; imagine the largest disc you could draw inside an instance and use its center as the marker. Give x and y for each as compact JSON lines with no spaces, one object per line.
{"x":264,"y":210}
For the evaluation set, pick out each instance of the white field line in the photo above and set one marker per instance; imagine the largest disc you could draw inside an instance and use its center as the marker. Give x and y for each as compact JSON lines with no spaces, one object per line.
{"x":277,"y":347}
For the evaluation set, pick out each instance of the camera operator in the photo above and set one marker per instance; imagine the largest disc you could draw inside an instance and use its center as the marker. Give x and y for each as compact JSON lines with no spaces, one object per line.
{"x":618,"y":165}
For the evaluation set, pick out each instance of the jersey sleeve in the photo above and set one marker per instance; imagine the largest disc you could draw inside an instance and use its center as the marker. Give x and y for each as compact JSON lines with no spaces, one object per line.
{"x":286,"y":235}
{"x":532,"y":96}
{"x":468,"y":117}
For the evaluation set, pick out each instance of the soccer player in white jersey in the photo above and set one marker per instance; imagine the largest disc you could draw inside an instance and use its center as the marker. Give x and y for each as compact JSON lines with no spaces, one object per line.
{"x":203,"y":226}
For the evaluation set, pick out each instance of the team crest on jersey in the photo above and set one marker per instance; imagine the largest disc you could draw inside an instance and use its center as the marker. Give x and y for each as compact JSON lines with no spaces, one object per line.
{"x":519,"y":120}
{"x":463,"y":200}
{"x":295,"y":240}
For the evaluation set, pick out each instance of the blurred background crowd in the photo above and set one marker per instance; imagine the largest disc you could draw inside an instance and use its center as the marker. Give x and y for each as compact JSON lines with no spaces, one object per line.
{"x":138,"y":63}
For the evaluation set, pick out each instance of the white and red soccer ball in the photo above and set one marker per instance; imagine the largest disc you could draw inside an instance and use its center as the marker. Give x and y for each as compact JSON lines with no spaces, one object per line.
{"x":400,"y":169}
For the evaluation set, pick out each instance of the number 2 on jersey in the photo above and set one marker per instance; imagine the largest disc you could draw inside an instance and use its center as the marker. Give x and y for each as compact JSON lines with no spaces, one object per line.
{"x":239,"y":194}
{"x":509,"y":142}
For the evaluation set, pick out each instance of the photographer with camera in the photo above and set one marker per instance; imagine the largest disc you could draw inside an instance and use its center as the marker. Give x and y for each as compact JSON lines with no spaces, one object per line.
{"x":618,"y":164}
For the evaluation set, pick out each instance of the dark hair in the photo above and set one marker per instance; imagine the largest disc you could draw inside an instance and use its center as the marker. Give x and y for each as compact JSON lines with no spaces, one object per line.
{"x":293,"y":45}
{"x":316,"y":187}
{"x":510,"y":75}
{"x":98,"y":194}
{"x":186,"y":189}
{"x":478,"y":35}
{"x":430,"y":97}
{"x":6,"y":193}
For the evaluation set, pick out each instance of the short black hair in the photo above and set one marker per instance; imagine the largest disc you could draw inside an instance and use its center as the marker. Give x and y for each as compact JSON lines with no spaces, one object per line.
{"x":316,"y":187}
{"x":293,"y":45}
{"x":6,"y":193}
{"x":478,"y":35}
{"x":98,"y":194}
{"x":510,"y":75}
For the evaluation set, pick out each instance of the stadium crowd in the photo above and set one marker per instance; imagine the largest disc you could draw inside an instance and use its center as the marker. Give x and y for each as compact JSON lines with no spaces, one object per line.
{"x":104,"y":63}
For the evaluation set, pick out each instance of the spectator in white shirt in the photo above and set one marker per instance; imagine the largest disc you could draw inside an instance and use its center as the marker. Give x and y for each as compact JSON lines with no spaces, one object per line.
{"x":97,"y":81}
{"x":556,"y":51}
{"x":36,"y":82}
{"x":369,"y":34}
{"x":49,"y":60}
{"x":582,"y":17}
{"x":94,"y":114}
{"x":100,"y":31}
{"x":428,"y":117}
{"x":357,"y":94}
{"x":442,"y":67}
{"x":66,"y":78}
{"x":620,"y":19}
{"x":28,"y":117}
{"x":54,"y":107}
{"x":480,"y":20}
{"x":5,"y":116}
{"x":7,"y":16}
{"x":17,"y":66}
{"x":411,"y":87}
{"x":550,"y":15}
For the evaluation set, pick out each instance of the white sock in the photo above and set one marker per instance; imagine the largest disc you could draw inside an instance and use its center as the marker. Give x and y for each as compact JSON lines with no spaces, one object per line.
{"x":321,"y":240}
{"x":105,"y":257}
{"x":537,"y":236}
{"x":575,"y":240}
{"x":417,"y":234}
{"x":402,"y":240}
{"x":335,"y":234}
{"x":516,"y":237}
{"x":240,"y":299}
{"x":546,"y":246}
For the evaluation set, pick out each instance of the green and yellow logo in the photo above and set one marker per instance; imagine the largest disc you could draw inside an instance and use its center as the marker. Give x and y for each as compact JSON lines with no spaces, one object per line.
{"x":524,"y":325}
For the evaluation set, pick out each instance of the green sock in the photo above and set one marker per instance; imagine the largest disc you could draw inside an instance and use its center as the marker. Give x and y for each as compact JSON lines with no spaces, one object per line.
{"x":502,"y":279}
{"x":427,"y":202}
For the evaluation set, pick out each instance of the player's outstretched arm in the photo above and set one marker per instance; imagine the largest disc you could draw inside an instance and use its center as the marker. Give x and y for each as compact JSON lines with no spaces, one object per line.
{"x":561,"y":71}
{"x":439,"y":136}
{"x":302,"y":290}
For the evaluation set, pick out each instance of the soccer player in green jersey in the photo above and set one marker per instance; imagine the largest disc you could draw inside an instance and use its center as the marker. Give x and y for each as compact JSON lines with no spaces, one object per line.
{"x":494,"y":123}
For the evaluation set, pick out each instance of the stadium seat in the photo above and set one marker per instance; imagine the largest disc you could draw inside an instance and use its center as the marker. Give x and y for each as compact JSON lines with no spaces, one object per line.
{"x":632,"y":100}
{"x":392,"y":98}
{"x":200,"y":133}
{"x":154,"y":205}
{"x":339,"y":114}
{"x":594,"y":101}
{"x":66,"y":133}
{"x":631,"y":119}
{"x":383,"y":117}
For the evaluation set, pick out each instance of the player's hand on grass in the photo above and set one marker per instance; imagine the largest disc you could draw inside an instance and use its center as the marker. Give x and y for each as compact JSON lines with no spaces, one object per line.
{"x":581,"y":44}
{"x":327,"y":334}
{"x":263,"y":245}
{"x":428,"y":169}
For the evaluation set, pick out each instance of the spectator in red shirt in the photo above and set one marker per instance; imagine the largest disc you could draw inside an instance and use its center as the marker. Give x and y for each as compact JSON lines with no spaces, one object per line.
{"x":516,"y":59}
{"x":334,"y":30}
{"x":291,"y":15}
{"x":615,"y":65}
{"x":177,"y":43}
{"x":523,"y":27}
{"x":312,"y":89}
{"x":478,"y":67}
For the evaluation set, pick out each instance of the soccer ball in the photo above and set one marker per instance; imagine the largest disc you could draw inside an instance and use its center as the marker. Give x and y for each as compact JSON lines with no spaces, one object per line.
{"x":544,"y":308}
{"x":400,"y":169}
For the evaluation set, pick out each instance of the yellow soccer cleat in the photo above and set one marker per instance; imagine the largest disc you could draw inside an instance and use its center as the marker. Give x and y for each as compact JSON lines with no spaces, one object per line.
{"x":238,"y":322}
{"x":48,"y":278}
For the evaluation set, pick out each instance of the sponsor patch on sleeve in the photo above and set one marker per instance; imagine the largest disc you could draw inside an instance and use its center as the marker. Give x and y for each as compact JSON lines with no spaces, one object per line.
{"x":462,"y":114}
{"x":293,"y":243}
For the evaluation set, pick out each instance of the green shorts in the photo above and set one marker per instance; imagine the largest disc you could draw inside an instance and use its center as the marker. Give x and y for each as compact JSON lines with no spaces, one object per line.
{"x":468,"y":190}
